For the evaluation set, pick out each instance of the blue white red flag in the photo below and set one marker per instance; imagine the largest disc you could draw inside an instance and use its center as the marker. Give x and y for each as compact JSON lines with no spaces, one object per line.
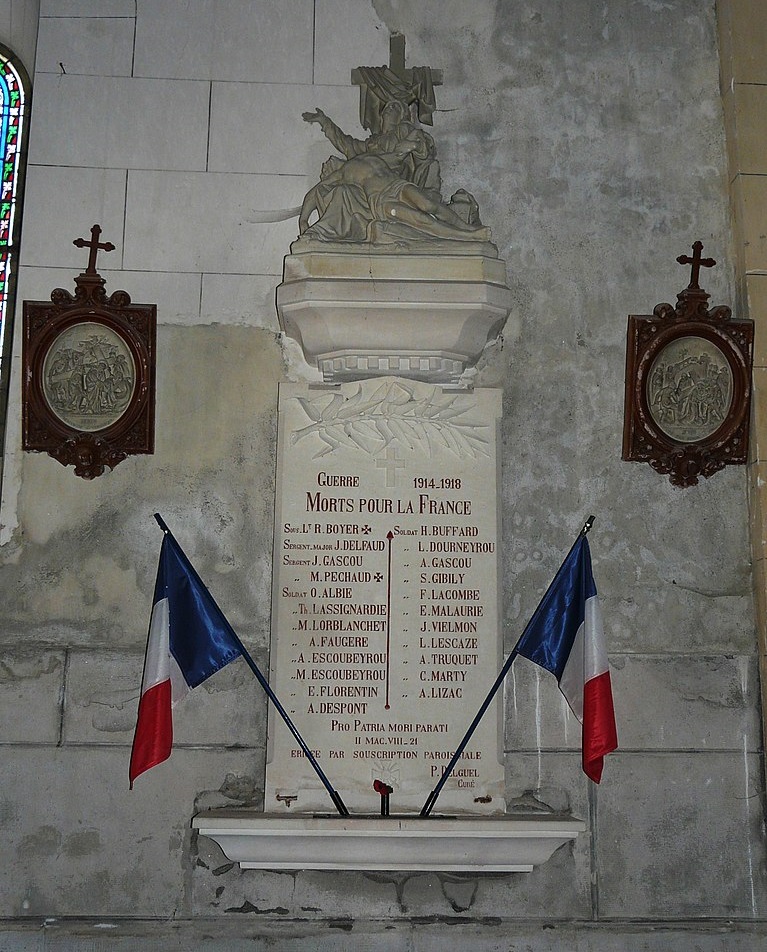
{"x":565,"y":636}
{"x":189,"y":640}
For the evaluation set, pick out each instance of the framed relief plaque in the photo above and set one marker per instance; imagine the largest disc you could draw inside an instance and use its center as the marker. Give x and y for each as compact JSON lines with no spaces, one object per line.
{"x":688,"y":385}
{"x":89,"y":373}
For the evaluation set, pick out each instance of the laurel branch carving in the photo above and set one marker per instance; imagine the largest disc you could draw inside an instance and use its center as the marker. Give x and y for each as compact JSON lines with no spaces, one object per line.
{"x":393,"y":416}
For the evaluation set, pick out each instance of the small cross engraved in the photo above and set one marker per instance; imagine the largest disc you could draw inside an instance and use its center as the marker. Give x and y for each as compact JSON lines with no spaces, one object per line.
{"x":697,"y":262}
{"x":95,"y":246}
{"x":391,"y":464}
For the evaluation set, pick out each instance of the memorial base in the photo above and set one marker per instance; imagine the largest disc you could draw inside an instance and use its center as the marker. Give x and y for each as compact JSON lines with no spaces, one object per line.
{"x":437,"y":844}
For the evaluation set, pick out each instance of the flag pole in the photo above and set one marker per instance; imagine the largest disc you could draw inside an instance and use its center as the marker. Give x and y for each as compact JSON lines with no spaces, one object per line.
{"x":432,"y":798}
{"x":334,"y":795}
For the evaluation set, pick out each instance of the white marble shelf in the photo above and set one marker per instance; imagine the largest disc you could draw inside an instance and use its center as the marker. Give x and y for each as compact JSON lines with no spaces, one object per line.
{"x":406,"y":843}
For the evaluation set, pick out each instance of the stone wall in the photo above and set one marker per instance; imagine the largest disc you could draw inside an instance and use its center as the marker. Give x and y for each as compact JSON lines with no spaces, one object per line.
{"x":742,"y":35}
{"x":593,"y":137}
{"x":18,"y":28}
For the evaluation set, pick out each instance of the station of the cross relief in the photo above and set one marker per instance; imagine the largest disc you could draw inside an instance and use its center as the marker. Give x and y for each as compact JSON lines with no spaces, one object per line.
{"x":386,"y":633}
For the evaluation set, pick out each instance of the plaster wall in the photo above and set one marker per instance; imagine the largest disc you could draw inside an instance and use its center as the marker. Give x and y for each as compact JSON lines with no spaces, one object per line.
{"x":594,"y":142}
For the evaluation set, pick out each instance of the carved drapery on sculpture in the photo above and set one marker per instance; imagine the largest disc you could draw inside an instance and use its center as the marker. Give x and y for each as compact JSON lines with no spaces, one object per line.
{"x":386,"y":190}
{"x":379,"y":86}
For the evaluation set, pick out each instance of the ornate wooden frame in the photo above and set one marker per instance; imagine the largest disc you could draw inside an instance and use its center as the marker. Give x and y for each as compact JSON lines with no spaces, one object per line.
{"x":88,"y":388}
{"x":714,"y":356}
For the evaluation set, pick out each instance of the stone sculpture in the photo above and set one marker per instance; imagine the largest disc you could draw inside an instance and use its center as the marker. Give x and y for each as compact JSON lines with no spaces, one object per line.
{"x":386,"y":188}
{"x":387,"y":278}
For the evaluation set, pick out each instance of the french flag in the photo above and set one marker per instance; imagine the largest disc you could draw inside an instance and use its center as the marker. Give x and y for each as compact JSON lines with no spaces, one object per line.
{"x":189,"y":640}
{"x":565,"y":636}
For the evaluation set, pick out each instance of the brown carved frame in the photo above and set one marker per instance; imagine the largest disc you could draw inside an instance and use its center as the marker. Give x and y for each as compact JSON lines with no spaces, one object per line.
{"x":647,"y":337}
{"x":136,"y":325}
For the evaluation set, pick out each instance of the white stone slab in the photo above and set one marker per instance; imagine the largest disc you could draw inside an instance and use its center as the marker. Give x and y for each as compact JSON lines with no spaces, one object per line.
{"x":31,"y":683}
{"x":385,"y":607}
{"x":66,"y":821}
{"x":257,"y":40}
{"x":228,"y":710}
{"x":257,"y":127}
{"x":5,"y":16}
{"x":138,"y":123}
{"x":12,"y":460}
{"x":80,"y":197}
{"x":470,"y":844}
{"x":215,"y":215}
{"x":699,"y":703}
{"x":659,"y":807}
{"x":239,"y":299}
{"x":175,"y":40}
{"x":20,"y":28}
{"x":101,"y":46}
{"x":36,"y":284}
{"x":347,"y":34}
{"x":88,"y":8}
{"x":177,"y":296}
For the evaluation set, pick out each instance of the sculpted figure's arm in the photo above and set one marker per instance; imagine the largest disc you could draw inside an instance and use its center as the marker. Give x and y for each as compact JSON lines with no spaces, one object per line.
{"x":347,"y":145}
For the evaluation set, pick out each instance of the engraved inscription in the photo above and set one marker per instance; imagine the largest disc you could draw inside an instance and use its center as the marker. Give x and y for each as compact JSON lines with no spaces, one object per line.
{"x":385,"y":601}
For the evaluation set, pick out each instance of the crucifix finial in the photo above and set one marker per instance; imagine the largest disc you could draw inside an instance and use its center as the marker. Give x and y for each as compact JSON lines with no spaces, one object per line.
{"x":413,"y":85}
{"x":95,"y":246}
{"x":397,"y":62}
{"x":697,"y":263}
{"x":397,"y":54}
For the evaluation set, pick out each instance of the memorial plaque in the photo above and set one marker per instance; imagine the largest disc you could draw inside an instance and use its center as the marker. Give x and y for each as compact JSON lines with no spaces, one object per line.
{"x":385,"y":608}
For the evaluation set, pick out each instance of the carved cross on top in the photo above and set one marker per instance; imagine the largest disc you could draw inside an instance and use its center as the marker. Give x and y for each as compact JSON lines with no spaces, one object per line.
{"x":697,"y":263}
{"x":405,"y":77}
{"x":397,"y":61}
{"x":95,"y":246}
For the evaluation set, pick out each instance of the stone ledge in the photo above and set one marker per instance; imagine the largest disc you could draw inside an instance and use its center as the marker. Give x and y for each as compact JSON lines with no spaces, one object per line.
{"x":422,"y":317}
{"x":387,"y":267}
{"x":436,"y":844}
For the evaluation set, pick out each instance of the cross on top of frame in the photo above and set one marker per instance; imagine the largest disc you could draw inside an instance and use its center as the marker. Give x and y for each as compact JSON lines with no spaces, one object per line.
{"x":697,"y":263}
{"x":95,"y":246}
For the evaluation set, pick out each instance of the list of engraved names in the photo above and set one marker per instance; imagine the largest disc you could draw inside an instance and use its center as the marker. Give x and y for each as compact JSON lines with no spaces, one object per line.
{"x":385,"y":608}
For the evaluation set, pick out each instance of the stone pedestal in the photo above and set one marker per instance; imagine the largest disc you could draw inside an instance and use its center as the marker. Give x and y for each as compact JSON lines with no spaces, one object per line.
{"x":421,"y":316}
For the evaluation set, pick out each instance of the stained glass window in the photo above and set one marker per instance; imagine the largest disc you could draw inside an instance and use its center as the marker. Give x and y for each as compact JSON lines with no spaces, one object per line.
{"x":13,"y":97}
